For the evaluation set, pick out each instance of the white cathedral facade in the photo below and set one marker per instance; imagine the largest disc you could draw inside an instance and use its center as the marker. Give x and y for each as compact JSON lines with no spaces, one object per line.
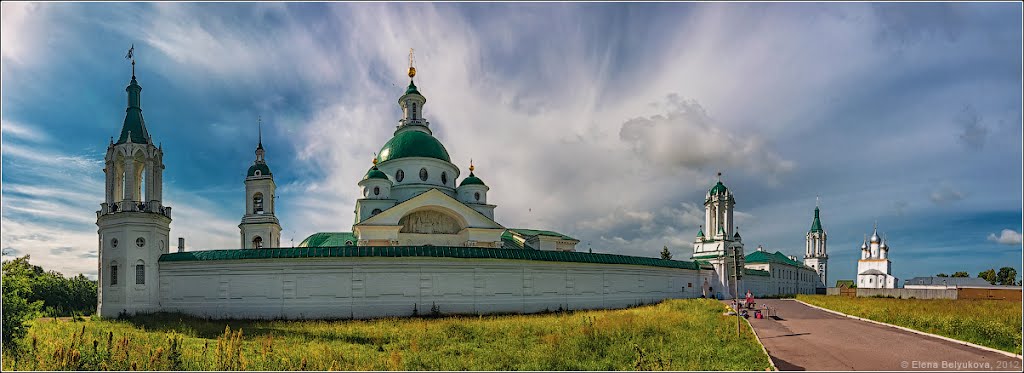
{"x":420,"y":238}
{"x":874,"y":270}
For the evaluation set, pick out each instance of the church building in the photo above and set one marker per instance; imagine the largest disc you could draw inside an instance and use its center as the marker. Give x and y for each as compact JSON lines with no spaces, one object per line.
{"x":874,"y":270}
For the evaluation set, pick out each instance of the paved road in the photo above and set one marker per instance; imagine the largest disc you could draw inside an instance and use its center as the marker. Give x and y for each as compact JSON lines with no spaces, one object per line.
{"x":805,"y":338}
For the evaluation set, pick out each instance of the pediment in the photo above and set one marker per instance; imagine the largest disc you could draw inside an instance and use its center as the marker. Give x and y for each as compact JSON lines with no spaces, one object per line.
{"x":432,"y":202}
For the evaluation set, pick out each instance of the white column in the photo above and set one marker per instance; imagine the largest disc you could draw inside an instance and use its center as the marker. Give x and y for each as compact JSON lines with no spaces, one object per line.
{"x":129,"y":180}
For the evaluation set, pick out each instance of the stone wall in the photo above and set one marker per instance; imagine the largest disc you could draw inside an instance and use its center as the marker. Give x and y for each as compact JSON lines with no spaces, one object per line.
{"x":908,"y":293}
{"x":357,"y":287}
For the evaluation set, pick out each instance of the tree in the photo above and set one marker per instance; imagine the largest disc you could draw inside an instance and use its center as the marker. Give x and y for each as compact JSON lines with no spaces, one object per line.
{"x":942,"y":275}
{"x":961,"y":274}
{"x":17,"y":310}
{"x":1007,"y":276}
{"x":988,"y":275}
{"x":665,"y":254}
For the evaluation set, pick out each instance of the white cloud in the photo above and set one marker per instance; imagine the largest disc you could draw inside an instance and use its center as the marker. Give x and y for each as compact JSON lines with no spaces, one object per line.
{"x":945,"y":194}
{"x":1007,"y":237}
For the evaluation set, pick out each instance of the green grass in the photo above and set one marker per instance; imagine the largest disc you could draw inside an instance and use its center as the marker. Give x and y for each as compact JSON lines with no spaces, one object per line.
{"x":991,"y":323}
{"x":688,"y":334}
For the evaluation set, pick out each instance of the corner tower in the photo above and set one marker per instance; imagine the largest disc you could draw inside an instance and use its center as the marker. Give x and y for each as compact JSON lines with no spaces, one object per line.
{"x":816,"y":248}
{"x":133,"y":223}
{"x":260,"y":227}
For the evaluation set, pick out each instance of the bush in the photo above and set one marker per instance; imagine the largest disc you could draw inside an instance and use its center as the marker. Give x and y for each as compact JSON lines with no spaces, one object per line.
{"x":17,"y":310}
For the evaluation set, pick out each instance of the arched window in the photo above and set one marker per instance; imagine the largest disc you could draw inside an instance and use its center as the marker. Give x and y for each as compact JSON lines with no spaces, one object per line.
{"x":444,"y":178}
{"x":423,"y":174}
{"x":399,"y":176}
{"x":376,"y":191}
{"x":257,"y":242}
{"x":414,"y":111}
{"x":113,"y":273}
{"x":140,"y":273}
{"x":476,"y":195}
{"x":257,"y":203}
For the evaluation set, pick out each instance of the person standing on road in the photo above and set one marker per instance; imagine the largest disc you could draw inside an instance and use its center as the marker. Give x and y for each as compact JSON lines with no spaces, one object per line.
{"x":750,"y":299}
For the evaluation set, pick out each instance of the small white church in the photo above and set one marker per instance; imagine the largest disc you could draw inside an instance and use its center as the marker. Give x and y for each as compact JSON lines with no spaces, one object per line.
{"x":421,"y":239}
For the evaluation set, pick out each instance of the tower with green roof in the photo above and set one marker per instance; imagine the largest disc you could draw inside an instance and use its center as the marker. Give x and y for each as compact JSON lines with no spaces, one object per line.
{"x":260,"y":228}
{"x":717,"y":241}
{"x":134,"y":225}
{"x":816,"y":247}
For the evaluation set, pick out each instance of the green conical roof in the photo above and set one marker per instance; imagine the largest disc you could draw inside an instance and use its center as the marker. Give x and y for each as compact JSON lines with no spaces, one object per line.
{"x":374,"y":173}
{"x":816,"y":224}
{"x":134,"y":125}
{"x":412,"y":89}
{"x":472,"y":180}
{"x":700,"y":232}
{"x":718,"y":189}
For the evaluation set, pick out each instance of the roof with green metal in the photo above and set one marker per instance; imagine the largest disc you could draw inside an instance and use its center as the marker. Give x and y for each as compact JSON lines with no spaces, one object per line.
{"x":412,"y":88}
{"x":700,"y":232}
{"x":134,"y":125}
{"x":816,"y":224}
{"x":536,"y":232}
{"x":374,"y":173}
{"x":848,"y":283}
{"x":264,"y":169}
{"x":755,"y":272}
{"x":718,"y":189}
{"x":776,"y":257}
{"x":708,"y":256}
{"x":472,"y":180}
{"x":412,"y":143}
{"x":328,"y":239}
{"x":423,"y":251}
{"x":509,"y":242}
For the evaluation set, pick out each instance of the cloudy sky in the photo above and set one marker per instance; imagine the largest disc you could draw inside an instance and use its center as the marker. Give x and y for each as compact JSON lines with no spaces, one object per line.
{"x":606,"y":122}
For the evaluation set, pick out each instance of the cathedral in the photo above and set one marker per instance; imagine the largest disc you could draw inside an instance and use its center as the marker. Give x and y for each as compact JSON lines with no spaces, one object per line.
{"x":874,"y":270}
{"x":422,"y":237}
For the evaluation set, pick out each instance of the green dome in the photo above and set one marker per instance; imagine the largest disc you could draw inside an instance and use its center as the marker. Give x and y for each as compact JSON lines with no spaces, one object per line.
{"x":412,"y":143}
{"x":718,"y":189}
{"x":264,"y":170}
{"x":374,"y":173}
{"x":412,"y":89}
{"x":472,"y":180}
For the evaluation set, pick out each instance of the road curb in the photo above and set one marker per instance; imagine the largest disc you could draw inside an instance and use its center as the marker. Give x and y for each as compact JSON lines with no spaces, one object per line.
{"x":1010,"y":354}
{"x":765,"y":350}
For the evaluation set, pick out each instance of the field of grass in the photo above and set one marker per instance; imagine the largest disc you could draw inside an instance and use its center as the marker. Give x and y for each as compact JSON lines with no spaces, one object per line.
{"x":674,"y":335}
{"x":991,"y":323}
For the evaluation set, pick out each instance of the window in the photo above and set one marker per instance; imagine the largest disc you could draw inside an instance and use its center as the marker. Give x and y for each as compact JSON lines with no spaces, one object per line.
{"x":140,"y":242}
{"x":376,"y":191}
{"x":257,"y":203}
{"x":348,"y":243}
{"x":689,"y":284}
{"x":140,"y":273}
{"x":257,"y":242}
{"x":258,"y":173}
{"x":476,"y":195}
{"x":423,"y":174}
{"x":113,"y":274}
{"x":444,"y":178}
{"x":374,"y":212}
{"x":399,"y":176}
{"x":113,"y":241}
{"x":414,"y":111}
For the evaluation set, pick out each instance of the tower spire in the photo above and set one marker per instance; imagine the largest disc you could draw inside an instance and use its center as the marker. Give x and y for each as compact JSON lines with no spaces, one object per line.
{"x":259,"y":125}
{"x":412,"y":64}
{"x":134,"y":127}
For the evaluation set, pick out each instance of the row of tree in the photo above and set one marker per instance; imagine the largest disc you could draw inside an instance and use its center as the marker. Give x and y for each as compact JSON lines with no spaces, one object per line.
{"x":1005,"y":276}
{"x":29,"y":291}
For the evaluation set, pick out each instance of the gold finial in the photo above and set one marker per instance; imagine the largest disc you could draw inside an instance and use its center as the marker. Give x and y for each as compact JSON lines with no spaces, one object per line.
{"x":412,"y":61}
{"x":374,"y":161}
{"x":471,"y":168}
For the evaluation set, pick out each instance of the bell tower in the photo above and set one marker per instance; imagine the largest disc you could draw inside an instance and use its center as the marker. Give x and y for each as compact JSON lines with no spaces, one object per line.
{"x":133,"y":223}
{"x":259,"y":227}
{"x":816,"y":249}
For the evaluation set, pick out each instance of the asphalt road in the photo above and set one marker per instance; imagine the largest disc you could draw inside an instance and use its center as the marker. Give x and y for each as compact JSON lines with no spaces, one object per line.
{"x":805,"y":338}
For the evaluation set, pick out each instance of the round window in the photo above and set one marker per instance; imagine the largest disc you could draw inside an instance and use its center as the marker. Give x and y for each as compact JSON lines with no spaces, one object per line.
{"x":476,"y":195}
{"x":399,"y":176}
{"x":258,"y":173}
{"x":113,"y":242}
{"x":376,"y":191}
{"x":374,"y":212}
{"x":423,"y":174}
{"x":140,"y":242}
{"x":444,"y":178}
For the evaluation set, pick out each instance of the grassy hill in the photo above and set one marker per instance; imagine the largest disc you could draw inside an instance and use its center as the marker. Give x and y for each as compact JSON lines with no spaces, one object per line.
{"x":673,"y":335}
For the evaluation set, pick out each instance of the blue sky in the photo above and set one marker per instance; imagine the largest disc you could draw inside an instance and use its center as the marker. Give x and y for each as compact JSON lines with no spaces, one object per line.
{"x":606,"y":122}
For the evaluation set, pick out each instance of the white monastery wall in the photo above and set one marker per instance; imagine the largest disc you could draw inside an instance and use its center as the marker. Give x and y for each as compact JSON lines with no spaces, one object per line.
{"x":379,"y":287}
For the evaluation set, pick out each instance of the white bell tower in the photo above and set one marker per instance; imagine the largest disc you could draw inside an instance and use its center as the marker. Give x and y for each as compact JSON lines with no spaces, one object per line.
{"x":259,"y":227}
{"x":721,"y":241}
{"x":134,"y":225}
{"x":816,"y":249}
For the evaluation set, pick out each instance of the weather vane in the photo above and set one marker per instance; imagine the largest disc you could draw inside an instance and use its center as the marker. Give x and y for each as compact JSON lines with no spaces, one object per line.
{"x":131,"y":56}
